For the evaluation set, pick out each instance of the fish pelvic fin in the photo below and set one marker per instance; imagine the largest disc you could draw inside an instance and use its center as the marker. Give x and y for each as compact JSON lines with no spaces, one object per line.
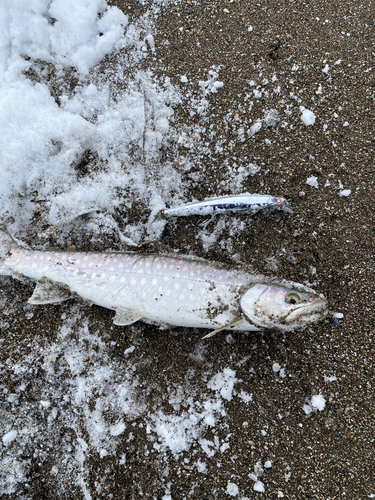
{"x":125,"y":316}
{"x":228,"y":325}
{"x":49,"y":292}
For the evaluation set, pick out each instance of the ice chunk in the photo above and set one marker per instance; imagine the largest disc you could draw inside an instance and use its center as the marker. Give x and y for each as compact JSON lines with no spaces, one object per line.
{"x":312,"y":181}
{"x":223,"y":382}
{"x":117,"y":429}
{"x":259,"y":486}
{"x":318,"y":402}
{"x":254,"y":129}
{"x":345,"y":193}
{"x":201,"y":466}
{"x":308,"y":117}
{"x":307,"y":409}
{"x":9,"y":437}
{"x":232,"y":489}
{"x":129,"y":350}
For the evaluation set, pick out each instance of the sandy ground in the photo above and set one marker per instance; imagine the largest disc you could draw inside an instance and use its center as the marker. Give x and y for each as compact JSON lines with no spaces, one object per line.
{"x":327,"y":241}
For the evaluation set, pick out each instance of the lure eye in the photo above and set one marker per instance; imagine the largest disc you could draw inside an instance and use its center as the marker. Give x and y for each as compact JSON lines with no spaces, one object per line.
{"x":293,"y":298}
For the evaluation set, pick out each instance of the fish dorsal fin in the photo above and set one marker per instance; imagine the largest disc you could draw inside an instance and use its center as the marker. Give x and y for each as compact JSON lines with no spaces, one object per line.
{"x":48,"y":292}
{"x":125,"y":316}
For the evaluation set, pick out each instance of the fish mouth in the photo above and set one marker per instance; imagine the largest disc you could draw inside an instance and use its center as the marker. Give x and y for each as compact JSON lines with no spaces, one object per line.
{"x":308,"y":313}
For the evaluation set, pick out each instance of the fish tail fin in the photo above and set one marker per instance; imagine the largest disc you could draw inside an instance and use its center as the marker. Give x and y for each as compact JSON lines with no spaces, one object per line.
{"x":10,"y":246}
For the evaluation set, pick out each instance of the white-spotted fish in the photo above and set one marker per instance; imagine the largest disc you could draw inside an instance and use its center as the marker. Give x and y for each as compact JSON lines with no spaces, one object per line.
{"x":180,"y":291}
{"x":246,"y":203}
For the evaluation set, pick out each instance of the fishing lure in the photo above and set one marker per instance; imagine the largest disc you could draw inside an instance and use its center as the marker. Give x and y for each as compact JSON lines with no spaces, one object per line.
{"x":246,"y":203}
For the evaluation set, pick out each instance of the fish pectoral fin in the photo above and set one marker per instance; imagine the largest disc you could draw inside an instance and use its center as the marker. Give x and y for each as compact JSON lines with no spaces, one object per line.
{"x":125,"y":316}
{"x":228,"y":325}
{"x":49,"y":292}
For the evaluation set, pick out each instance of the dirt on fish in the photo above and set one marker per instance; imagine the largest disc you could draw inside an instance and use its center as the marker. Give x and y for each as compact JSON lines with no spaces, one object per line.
{"x":328,"y":242}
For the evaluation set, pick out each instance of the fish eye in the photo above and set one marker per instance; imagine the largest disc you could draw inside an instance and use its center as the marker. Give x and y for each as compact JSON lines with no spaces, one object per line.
{"x":293,"y":298}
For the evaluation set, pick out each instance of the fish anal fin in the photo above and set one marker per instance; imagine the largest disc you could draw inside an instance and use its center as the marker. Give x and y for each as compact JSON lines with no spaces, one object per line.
{"x":125,"y":316}
{"x":49,"y":292}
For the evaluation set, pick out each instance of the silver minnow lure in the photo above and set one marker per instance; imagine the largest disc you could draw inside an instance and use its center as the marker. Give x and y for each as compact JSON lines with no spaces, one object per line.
{"x":247,"y":203}
{"x":180,"y":291}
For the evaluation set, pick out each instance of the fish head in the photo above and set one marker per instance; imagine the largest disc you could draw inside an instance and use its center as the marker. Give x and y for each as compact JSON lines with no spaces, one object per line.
{"x":287,"y":307}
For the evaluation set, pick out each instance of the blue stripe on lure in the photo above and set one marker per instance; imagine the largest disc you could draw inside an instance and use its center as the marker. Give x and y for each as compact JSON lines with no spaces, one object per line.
{"x":246,"y":203}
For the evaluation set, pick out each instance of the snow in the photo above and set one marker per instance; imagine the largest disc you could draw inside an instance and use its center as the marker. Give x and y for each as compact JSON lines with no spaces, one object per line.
{"x":259,"y":486}
{"x":223,"y":382}
{"x":232,"y":489}
{"x":9,"y":437}
{"x":317,"y":403}
{"x":345,"y":193}
{"x":312,"y":181}
{"x":337,"y":315}
{"x":43,"y":141}
{"x":49,"y":31}
{"x":129,"y":350}
{"x":307,"y":117}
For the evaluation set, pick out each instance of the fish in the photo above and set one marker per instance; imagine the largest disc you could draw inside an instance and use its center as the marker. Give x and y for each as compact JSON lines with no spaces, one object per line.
{"x":168,"y":289}
{"x":246,"y":203}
